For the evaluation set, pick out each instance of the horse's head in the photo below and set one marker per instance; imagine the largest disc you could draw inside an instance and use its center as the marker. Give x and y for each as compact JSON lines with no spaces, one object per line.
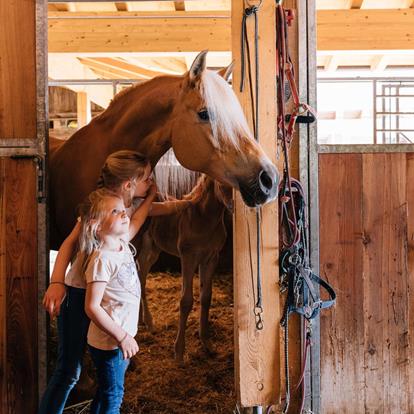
{"x":210,"y":134}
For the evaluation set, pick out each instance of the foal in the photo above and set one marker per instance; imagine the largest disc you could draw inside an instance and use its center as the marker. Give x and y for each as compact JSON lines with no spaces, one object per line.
{"x":196,"y":235}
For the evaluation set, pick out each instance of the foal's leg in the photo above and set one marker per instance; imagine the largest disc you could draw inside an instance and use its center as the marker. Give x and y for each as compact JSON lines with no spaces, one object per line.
{"x":188,"y":267}
{"x":207,"y":269}
{"x":148,"y":255}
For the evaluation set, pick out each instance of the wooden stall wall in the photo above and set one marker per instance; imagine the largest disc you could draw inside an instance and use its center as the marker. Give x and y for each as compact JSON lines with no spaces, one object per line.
{"x":366,"y":253}
{"x":22,"y":207}
{"x":18,"y":286}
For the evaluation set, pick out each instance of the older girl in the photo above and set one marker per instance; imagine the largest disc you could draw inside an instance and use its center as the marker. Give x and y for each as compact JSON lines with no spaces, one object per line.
{"x":128,"y":175}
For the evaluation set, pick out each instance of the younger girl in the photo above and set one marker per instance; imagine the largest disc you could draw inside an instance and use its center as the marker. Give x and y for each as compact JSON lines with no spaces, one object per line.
{"x":127,"y":174}
{"x":112,"y":294}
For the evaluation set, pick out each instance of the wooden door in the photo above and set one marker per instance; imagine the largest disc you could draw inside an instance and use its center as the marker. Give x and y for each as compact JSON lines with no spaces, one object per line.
{"x":23,"y":255}
{"x":366,"y":203}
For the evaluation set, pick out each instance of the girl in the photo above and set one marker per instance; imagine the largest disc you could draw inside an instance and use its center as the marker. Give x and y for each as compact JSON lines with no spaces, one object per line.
{"x":127,"y":174}
{"x":112,"y":293}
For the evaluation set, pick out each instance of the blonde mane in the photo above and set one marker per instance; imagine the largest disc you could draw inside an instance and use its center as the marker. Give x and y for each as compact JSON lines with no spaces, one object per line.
{"x":227,"y":119}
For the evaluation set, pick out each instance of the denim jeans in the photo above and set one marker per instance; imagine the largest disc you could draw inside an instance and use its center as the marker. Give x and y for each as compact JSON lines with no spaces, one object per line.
{"x":110,"y":372}
{"x":72,"y":330}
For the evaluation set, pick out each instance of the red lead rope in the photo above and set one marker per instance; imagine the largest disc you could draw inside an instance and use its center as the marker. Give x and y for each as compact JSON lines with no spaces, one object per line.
{"x":286,"y":128}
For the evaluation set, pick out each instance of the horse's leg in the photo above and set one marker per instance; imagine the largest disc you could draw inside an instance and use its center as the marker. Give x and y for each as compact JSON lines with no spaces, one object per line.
{"x":188,"y":267}
{"x":148,"y":255}
{"x":207,"y":269}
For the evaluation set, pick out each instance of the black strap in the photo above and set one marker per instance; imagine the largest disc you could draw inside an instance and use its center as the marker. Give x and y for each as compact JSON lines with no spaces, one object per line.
{"x":309,"y":309}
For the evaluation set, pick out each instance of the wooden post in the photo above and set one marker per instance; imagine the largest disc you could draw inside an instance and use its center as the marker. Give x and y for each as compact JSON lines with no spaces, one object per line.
{"x":84,"y":109}
{"x":257,"y":352}
{"x":23,"y":258}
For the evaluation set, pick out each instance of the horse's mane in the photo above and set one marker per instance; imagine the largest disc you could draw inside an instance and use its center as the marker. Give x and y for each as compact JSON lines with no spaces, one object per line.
{"x":227,"y":119}
{"x":198,"y":191}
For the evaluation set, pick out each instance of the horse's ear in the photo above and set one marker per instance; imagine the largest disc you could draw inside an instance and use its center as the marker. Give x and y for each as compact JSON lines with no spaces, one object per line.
{"x":226,"y":72}
{"x":198,"y":67}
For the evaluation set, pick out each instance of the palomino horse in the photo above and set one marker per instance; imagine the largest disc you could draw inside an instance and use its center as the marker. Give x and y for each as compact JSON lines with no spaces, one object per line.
{"x":196,"y":235}
{"x":196,"y":114}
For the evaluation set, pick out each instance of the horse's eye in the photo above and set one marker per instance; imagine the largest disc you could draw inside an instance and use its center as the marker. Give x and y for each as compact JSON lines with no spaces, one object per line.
{"x":203,"y":115}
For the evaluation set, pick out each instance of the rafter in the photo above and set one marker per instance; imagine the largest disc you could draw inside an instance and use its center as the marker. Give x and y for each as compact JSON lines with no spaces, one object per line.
{"x":194,"y":31}
{"x":331,"y":64}
{"x":118,"y":68}
{"x":121,"y":6}
{"x":179,"y":5}
{"x":139,"y":32}
{"x":379,"y":63}
{"x":356,"y":4}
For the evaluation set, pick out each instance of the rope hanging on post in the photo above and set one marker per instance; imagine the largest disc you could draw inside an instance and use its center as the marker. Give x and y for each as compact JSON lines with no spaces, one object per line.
{"x":252,"y":10}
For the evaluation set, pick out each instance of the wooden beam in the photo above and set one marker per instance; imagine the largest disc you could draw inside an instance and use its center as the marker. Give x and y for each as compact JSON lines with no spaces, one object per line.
{"x":356,"y":4}
{"x":84,"y":109}
{"x":132,"y":32}
{"x":331,"y":64}
{"x":379,"y":63}
{"x":365,"y":29}
{"x":121,"y":6}
{"x":179,"y":5}
{"x":257,"y":352}
{"x":120,"y":67}
{"x":165,"y":32}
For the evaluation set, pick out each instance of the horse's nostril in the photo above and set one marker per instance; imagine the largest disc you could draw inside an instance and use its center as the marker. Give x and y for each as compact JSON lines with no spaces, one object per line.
{"x":266,"y":182}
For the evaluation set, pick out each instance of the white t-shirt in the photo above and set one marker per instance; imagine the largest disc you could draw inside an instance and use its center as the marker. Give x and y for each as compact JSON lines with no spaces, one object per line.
{"x":75,"y":276}
{"x":121,"y":296}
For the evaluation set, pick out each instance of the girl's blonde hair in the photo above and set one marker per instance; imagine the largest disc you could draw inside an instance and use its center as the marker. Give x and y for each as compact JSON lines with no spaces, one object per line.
{"x":92,"y":214}
{"x":121,"y":166}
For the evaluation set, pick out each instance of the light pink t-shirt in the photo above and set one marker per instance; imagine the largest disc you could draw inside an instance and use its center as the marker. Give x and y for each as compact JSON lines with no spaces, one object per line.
{"x":121,"y":296}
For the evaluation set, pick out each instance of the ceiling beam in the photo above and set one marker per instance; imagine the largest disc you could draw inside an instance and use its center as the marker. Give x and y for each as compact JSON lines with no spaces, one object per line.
{"x":121,"y":6}
{"x":179,"y":5}
{"x":139,"y":32}
{"x":379,"y":63}
{"x":331,"y":64}
{"x":365,"y":29}
{"x":355,"y":29}
{"x":356,"y":4}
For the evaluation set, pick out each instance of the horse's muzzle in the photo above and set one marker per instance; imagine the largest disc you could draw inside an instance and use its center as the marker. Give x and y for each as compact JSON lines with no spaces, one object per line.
{"x":262,"y":189}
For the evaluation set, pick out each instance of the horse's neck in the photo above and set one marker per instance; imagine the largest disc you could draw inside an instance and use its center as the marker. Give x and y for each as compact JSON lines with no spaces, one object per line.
{"x":209,"y":202}
{"x":136,"y":119}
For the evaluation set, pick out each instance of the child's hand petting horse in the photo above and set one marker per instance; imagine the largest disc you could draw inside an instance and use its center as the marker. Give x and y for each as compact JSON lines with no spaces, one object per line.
{"x":128,"y":346}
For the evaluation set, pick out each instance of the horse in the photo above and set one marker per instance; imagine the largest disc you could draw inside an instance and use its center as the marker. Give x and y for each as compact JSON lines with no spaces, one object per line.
{"x":197,"y":114}
{"x":196,"y":235}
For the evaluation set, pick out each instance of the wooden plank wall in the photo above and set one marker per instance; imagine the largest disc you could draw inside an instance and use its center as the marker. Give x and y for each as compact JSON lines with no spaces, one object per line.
{"x":18,"y":286}
{"x":17,"y":69}
{"x":366,"y":253}
{"x":19,"y":128}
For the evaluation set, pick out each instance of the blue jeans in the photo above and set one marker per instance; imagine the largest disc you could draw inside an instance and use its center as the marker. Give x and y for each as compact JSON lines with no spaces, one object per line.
{"x":72,"y":330}
{"x":110,"y":372}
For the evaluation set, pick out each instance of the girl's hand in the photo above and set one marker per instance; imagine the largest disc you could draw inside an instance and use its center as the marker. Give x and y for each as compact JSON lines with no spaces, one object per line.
{"x":128,"y":346}
{"x":53,"y":298}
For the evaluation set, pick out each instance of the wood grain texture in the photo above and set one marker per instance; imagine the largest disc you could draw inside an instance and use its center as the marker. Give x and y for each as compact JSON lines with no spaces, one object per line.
{"x":17,"y":69}
{"x":342,"y":357}
{"x":257,"y":353}
{"x":366,"y":232}
{"x":18,"y":286}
